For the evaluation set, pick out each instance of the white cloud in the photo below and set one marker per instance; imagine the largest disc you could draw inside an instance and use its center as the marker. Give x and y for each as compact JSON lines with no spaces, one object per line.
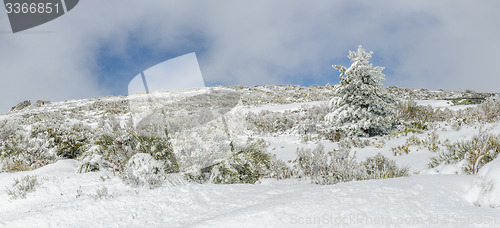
{"x":445,"y":44}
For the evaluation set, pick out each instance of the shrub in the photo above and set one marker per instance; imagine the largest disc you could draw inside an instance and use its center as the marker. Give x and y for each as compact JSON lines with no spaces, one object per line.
{"x":341,"y":168}
{"x":406,"y":110}
{"x":491,"y":109}
{"x":270,"y":122}
{"x":406,"y":129}
{"x":380,"y":167}
{"x":143,"y":169}
{"x":309,"y":163}
{"x":101,"y":193}
{"x":113,"y":149}
{"x":338,"y":166}
{"x":70,"y":142}
{"x":246,"y":166}
{"x":278,"y":169}
{"x":21,"y":187}
{"x":418,"y":119}
{"x":159,"y":147}
{"x":350,"y":142}
{"x":202,"y":146}
{"x":431,"y":143}
{"x":93,"y":158}
{"x":335,"y":135}
{"x":399,"y":150}
{"x":424,"y":116}
{"x":20,"y":153}
{"x":9,"y":128}
{"x":197,"y":175}
{"x":486,"y":112}
{"x":326,"y":167}
{"x":473,"y":154}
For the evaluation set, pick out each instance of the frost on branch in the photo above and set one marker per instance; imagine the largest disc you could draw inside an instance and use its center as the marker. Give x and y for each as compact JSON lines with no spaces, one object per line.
{"x":361,"y":106}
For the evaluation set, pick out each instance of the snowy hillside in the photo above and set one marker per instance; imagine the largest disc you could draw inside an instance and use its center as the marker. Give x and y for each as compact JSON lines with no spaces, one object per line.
{"x":261,"y":156}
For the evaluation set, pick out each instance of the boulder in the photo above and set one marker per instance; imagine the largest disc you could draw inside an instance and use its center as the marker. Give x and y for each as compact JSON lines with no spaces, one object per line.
{"x":40,"y":102}
{"x":21,"y":105}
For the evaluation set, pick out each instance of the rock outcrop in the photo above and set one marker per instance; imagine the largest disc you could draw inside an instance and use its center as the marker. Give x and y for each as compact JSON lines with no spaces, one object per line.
{"x":40,"y":102}
{"x":21,"y":105}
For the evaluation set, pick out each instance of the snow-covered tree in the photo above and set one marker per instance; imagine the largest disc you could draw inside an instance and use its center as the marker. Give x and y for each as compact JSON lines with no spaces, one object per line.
{"x":361,"y":106}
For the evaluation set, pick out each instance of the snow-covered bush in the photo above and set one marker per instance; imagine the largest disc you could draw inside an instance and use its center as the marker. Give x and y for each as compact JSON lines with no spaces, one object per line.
{"x":271,"y":122}
{"x":491,"y":109}
{"x":9,"y":128}
{"x":20,"y":152}
{"x":380,"y":167}
{"x":70,"y":142}
{"x":470,"y":154}
{"x":23,"y":186}
{"x":159,"y":147}
{"x":418,"y":119}
{"x":278,"y":169}
{"x":361,"y":106}
{"x":486,"y":188}
{"x":309,"y":163}
{"x":415,"y":118}
{"x":102,"y":193}
{"x":93,"y":158}
{"x":400,"y":150}
{"x":339,"y":166}
{"x":422,"y":117}
{"x":406,"y":110}
{"x":202,"y":146}
{"x":110,"y":147}
{"x":311,"y":124}
{"x":142,"y":169}
{"x":354,"y":141}
{"x":307,"y":122}
{"x":91,"y":162}
{"x":426,"y":117}
{"x":430,"y":143}
{"x":486,"y":112}
{"x":327,"y":167}
{"x":246,"y":166}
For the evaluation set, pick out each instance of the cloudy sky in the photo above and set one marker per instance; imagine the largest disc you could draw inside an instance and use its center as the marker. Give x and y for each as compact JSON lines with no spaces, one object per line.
{"x":99,"y":46}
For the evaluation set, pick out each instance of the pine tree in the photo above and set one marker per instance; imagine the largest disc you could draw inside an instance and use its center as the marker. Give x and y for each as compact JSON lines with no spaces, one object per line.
{"x":361,"y":105}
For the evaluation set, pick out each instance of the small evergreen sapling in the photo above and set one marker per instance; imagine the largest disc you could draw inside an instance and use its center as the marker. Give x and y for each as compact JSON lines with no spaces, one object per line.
{"x":361,"y":105}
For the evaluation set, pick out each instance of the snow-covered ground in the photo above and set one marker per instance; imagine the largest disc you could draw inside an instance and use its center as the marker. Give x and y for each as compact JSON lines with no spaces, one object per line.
{"x":66,"y":199}
{"x":427,"y":198}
